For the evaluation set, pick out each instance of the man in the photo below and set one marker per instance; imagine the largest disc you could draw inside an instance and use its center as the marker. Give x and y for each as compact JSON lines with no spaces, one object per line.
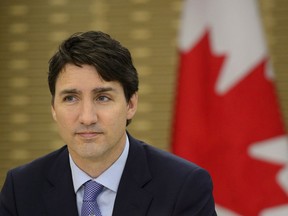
{"x":94,"y":87}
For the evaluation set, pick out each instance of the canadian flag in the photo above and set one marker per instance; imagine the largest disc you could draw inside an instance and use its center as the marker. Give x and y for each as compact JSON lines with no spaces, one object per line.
{"x":227,"y":116}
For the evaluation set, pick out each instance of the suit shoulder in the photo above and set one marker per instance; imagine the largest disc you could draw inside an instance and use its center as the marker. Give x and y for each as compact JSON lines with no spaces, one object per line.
{"x":166,"y":162}
{"x":167,"y":158}
{"x":41,"y":163}
{"x":167,"y":169}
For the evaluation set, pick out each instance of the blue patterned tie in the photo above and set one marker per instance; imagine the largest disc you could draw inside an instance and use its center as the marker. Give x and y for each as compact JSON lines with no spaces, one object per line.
{"x":90,"y":206}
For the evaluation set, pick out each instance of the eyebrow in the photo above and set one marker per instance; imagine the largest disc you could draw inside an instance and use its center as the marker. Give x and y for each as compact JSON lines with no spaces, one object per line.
{"x":103,"y":89}
{"x":95,"y":90}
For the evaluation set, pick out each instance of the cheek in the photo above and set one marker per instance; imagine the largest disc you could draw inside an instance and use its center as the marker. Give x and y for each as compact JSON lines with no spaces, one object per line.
{"x":115,"y":118}
{"x":65,"y":119}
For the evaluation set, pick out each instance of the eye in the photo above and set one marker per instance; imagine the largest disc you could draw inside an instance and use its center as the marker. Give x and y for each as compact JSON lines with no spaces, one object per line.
{"x":103,"y":99}
{"x":69,"y":98}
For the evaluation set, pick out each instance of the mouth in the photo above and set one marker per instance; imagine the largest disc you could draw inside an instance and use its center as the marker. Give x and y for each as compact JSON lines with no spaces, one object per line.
{"x":88,"y":134}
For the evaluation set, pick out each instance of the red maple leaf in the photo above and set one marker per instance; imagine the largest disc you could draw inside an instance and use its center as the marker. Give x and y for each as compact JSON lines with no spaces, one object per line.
{"x":215,"y":131}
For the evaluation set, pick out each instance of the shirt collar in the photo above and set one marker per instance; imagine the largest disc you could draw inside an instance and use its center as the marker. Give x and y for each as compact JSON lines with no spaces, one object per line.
{"x":110,"y":178}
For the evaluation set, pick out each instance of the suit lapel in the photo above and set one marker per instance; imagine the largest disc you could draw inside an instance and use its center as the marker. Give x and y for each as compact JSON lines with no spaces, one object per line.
{"x":132,"y":199}
{"x":59,"y":195}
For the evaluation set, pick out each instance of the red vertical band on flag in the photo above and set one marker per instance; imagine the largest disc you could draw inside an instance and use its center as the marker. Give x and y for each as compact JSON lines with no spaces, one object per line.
{"x":218,"y":130}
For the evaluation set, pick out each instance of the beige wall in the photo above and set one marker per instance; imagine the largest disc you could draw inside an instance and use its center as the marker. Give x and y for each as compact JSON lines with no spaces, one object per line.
{"x":31,"y":31}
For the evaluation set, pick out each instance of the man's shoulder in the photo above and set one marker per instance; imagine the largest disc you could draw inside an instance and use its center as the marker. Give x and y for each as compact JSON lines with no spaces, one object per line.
{"x":168,"y":159}
{"x":166,"y":170}
{"x":40,"y":164}
{"x":159,"y":159}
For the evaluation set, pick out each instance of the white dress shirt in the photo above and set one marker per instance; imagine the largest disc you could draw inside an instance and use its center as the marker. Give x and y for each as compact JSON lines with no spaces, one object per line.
{"x":109,"y":179}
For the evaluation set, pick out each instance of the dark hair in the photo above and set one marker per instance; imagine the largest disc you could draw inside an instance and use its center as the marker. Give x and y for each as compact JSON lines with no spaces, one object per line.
{"x":112,"y":61}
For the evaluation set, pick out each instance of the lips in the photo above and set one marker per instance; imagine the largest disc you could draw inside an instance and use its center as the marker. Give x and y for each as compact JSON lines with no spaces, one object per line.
{"x":88,"y":134}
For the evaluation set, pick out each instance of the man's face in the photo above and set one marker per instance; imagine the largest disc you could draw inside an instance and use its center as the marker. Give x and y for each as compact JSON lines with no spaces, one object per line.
{"x":91,"y":113}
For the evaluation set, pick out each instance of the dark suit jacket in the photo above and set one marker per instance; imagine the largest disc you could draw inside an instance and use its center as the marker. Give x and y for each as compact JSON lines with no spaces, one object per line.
{"x":154,"y":183}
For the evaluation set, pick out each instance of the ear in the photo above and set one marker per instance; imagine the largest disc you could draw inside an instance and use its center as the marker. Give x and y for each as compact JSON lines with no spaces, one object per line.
{"x":132,"y":106}
{"x":53,"y":113}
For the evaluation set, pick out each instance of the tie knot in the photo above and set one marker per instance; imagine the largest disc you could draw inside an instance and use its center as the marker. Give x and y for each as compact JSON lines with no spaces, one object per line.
{"x":91,"y":191}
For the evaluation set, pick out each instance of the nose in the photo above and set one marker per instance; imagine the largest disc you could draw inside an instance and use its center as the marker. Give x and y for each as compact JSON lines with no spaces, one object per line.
{"x":88,"y":115}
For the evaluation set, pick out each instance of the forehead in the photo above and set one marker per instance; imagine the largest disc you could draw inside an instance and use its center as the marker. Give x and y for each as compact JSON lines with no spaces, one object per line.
{"x":82,"y":78}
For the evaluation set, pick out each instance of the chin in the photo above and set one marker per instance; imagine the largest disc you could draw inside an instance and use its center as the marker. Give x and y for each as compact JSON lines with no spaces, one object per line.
{"x":90,"y":150}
